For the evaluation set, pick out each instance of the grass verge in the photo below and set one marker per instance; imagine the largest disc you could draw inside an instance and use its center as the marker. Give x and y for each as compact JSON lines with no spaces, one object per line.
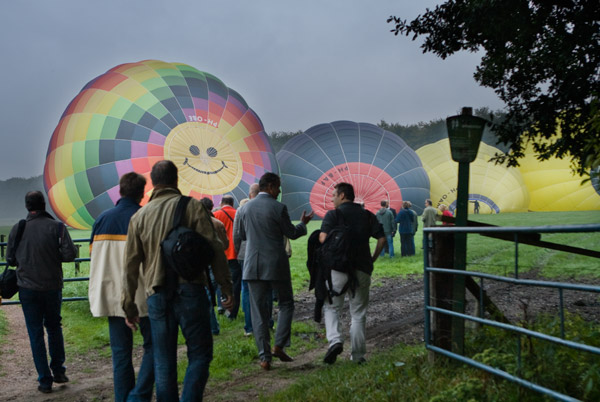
{"x":407,"y":373}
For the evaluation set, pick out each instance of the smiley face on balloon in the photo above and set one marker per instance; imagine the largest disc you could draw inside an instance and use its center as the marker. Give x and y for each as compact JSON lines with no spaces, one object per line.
{"x":210,"y":152}
{"x":136,"y":114}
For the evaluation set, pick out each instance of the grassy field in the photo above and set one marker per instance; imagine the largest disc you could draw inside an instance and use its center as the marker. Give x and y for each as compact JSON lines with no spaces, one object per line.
{"x":401,"y":374}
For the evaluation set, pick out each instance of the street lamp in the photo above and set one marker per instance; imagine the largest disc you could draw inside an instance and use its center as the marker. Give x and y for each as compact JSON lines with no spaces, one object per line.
{"x":464,"y":132}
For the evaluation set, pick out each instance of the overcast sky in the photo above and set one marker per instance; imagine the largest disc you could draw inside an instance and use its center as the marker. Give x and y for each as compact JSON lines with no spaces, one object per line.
{"x":296,"y":63}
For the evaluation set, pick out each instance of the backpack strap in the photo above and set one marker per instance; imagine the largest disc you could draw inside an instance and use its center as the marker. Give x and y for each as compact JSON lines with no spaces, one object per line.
{"x":340,"y":217}
{"x":20,"y":231}
{"x":180,"y":210}
{"x":12,"y":261}
{"x":229,"y":216}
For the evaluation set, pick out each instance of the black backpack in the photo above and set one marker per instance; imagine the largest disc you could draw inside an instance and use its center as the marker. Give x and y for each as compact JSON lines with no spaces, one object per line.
{"x":337,"y":253}
{"x":186,"y":252}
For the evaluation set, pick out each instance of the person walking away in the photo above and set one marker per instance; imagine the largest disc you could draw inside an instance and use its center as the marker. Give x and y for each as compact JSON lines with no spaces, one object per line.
{"x":406,"y":226}
{"x":188,"y":306}
{"x":222,"y":234}
{"x":107,"y":251}
{"x":415,"y":223}
{"x":226,"y":215}
{"x":386,"y":218}
{"x":240,"y":249}
{"x":364,"y":225}
{"x":264,"y":223}
{"x":44,"y":245}
{"x":429,"y":219}
{"x":394,"y":214}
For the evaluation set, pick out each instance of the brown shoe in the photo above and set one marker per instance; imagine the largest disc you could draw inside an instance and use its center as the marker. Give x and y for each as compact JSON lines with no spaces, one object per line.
{"x":279,"y":353}
{"x":265,"y":365}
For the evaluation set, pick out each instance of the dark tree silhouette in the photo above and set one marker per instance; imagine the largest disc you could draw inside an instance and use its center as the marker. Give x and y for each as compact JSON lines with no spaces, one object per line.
{"x":542,"y":59}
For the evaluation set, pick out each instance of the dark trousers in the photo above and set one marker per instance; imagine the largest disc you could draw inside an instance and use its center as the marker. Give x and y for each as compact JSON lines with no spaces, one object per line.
{"x":407,"y":244}
{"x":42,"y":309}
{"x":236,"y":278}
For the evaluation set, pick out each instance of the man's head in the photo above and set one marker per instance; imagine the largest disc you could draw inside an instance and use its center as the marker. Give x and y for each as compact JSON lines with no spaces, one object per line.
{"x":164,"y":174}
{"x":406,"y":204}
{"x":343,"y":192}
{"x":227,"y":200}
{"x":34,"y":201}
{"x":384,"y":203}
{"x":208,"y":203}
{"x":270,"y":183}
{"x":253,"y":191}
{"x":428,"y":203}
{"x":132,"y":185}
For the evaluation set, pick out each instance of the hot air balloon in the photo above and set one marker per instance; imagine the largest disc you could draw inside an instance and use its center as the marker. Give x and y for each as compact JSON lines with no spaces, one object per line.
{"x":495,"y":187}
{"x":377,"y":163}
{"x":139,"y":113}
{"x":553,"y":186}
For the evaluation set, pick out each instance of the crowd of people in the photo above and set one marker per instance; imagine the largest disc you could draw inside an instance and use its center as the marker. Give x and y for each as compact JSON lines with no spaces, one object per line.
{"x":250,"y":270}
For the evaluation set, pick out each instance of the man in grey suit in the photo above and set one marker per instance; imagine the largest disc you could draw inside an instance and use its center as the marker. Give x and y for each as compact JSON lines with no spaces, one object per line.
{"x":263,"y":225}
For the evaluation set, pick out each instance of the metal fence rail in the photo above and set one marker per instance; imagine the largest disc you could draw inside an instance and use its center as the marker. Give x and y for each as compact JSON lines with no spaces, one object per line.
{"x":506,"y":233}
{"x":76,"y":279}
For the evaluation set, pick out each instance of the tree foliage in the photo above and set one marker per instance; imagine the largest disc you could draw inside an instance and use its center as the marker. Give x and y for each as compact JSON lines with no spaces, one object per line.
{"x":279,"y":138}
{"x":417,"y":135}
{"x":542,"y":59}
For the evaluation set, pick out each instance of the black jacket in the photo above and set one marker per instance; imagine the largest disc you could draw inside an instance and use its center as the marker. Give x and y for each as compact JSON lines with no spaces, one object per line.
{"x":45,"y":245}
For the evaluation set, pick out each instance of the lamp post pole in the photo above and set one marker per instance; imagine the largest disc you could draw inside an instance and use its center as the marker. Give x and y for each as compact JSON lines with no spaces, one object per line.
{"x":464,"y":133}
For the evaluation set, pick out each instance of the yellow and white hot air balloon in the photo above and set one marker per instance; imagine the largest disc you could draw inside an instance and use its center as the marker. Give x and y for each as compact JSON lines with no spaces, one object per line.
{"x":495,"y":188}
{"x":553,"y":186}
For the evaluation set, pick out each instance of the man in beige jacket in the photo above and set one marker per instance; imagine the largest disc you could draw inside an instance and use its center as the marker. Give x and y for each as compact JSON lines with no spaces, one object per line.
{"x":188,"y":307}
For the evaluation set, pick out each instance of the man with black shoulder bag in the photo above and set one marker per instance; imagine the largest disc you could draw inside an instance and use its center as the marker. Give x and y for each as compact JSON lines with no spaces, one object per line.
{"x":175,"y":299}
{"x":44,"y":245}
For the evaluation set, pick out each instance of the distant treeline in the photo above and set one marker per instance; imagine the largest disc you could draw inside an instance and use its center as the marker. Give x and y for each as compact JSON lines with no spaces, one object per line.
{"x":12,"y":197}
{"x":12,"y":191}
{"x":415,"y":135}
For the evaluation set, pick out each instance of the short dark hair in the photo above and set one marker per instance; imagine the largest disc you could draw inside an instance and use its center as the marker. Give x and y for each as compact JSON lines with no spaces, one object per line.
{"x":164,"y":173}
{"x":208,"y":203}
{"x":267,"y":180}
{"x":34,"y":201}
{"x":132,"y":185}
{"x":384,"y":203}
{"x":346,"y":189}
{"x":428,"y":202}
{"x":227,"y":199}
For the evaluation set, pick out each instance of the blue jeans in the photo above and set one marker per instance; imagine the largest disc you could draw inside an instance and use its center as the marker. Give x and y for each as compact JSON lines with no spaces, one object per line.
{"x":246,"y":307}
{"x":42,"y":309}
{"x":121,"y":345}
{"x":214,"y":323}
{"x":390,"y":244}
{"x":188,"y":309}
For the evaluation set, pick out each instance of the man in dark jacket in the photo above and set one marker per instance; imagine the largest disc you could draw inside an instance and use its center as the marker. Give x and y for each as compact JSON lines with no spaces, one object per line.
{"x":44,"y":245}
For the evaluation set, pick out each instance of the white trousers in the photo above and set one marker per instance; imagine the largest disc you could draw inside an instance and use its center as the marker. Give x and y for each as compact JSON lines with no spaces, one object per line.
{"x":358,"y":313}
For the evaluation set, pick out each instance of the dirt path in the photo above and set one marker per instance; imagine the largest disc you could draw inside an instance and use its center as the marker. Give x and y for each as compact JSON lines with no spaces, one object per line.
{"x":395,"y":315}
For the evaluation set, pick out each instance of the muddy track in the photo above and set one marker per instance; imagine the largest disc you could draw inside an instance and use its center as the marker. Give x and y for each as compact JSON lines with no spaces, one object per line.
{"x":395,"y":315}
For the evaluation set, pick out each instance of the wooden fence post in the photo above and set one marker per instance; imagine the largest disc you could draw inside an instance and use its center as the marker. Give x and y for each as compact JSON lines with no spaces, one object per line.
{"x":442,"y":256}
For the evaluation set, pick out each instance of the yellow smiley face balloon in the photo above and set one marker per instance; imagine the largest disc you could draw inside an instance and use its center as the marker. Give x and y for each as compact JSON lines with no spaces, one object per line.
{"x":138,"y":113}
